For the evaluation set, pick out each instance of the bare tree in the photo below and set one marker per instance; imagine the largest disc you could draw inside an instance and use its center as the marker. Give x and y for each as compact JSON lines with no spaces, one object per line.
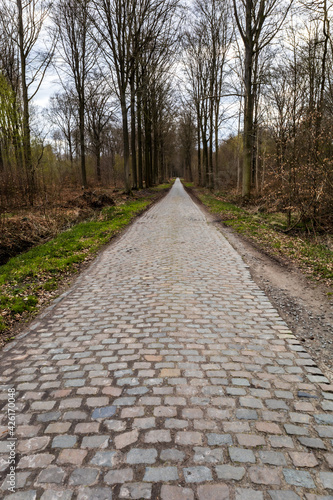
{"x":77,"y":54}
{"x":100,"y":112}
{"x":10,"y":120}
{"x":187,"y":131}
{"x":258,"y":22}
{"x":132,"y":31}
{"x":62,"y":113}
{"x":207,"y":44}
{"x":154,"y":87}
{"x":115,"y":22}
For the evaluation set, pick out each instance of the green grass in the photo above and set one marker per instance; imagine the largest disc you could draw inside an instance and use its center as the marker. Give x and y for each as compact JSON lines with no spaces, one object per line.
{"x":28,"y":279}
{"x":188,"y":184}
{"x":313,"y":257}
{"x":217,"y":206}
{"x":161,"y":187}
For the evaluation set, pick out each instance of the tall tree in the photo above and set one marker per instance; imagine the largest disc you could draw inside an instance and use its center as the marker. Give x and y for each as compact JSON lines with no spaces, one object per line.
{"x":77,"y":50}
{"x":207,"y":44}
{"x":100,"y":111}
{"x":131,"y":31}
{"x":62,"y":114}
{"x":11,"y":123}
{"x":258,"y":22}
{"x":24,"y":23}
{"x":115,"y":22}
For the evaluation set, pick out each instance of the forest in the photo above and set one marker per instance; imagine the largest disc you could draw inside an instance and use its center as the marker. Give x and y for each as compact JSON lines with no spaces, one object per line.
{"x":104,"y":102}
{"x":235,"y":96}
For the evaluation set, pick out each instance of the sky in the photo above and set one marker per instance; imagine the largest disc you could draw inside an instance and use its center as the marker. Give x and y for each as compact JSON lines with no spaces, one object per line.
{"x":49,"y":86}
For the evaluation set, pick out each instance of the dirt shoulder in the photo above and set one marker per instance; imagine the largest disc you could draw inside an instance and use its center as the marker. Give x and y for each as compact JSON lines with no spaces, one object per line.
{"x":303,"y":304}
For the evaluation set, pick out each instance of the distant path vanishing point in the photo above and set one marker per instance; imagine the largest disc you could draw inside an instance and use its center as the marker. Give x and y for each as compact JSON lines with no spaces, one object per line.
{"x":165,"y":373}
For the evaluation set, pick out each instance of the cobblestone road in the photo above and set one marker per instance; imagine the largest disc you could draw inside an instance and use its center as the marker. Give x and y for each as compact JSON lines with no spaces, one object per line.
{"x":165,"y":373}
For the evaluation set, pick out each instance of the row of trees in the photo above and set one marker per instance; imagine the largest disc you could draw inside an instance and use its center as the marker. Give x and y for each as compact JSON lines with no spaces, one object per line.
{"x":22,"y":69}
{"x":113,"y":59}
{"x":277,"y":65}
{"x":161,"y":95}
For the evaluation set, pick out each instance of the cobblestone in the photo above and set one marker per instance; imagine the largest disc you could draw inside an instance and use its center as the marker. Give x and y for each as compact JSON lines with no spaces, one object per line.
{"x":283,"y":495}
{"x":104,"y":458}
{"x":300,"y":459}
{"x":30,"y":445}
{"x":84,"y":476}
{"x":272,"y":458}
{"x":326,"y":478}
{"x":264,"y":475}
{"x":142,"y":456}
{"x":248,"y":494}
{"x":176,"y":493}
{"x":60,"y":495}
{"x":64,"y":441}
{"x":172,"y":455}
{"x":95,"y":494}
{"x":298,"y":478}
{"x":51,"y":475}
{"x":74,"y":457}
{"x":136,"y":491}
{"x":208,"y":455}
{"x":95,"y":442}
{"x":165,"y":363}
{"x":315,"y":443}
{"x":213,"y":492}
{"x":230,"y":472}
{"x":242,"y":455}
{"x":119,"y":476}
{"x":197,"y":474}
{"x":160,"y":474}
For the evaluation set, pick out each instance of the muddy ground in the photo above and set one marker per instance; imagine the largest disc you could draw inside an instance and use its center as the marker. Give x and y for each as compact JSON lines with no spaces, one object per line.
{"x":303,"y":304}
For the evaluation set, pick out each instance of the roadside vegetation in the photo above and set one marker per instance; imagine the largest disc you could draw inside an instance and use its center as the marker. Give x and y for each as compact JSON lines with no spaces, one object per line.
{"x":312,"y":253}
{"x":31,"y":279}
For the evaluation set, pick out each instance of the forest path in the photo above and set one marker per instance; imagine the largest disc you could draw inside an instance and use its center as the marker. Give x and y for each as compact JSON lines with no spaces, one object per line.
{"x":165,"y":373}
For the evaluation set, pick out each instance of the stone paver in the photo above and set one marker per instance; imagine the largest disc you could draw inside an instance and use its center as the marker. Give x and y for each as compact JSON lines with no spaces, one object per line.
{"x":165,"y":372}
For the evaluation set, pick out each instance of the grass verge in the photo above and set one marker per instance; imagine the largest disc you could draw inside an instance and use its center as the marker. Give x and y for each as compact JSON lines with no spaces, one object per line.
{"x":312,"y":256}
{"x":32,"y":279}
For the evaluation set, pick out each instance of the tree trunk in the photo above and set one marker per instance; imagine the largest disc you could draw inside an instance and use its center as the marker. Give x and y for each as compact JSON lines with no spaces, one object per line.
{"x":210,"y":161}
{"x":126,"y":143}
{"x":248,"y":122}
{"x":155,"y":151}
{"x":199,"y":146}
{"x":133,"y":133}
{"x":217,"y":182}
{"x":98,"y":163}
{"x":26,"y":117}
{"x":248,"y":105}
{"x":205,"y":159}
{"x":70,"y":147}
{"x":148,"y":179}
{"x":82,"y":144}
{"x":140,"y":165}
{"x":2,"y":163}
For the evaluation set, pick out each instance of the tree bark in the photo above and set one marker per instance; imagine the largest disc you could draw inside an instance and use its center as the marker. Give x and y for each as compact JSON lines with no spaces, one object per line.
{"x":199,"y":145}
{"x":139,"y":120}
{"x":248,"y":106}
{"x":133,"y":133}
{"x":98,"y":164}
{"x":126,"y":143}
{"x":27,"y":154}
{"x":82,"y":143}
